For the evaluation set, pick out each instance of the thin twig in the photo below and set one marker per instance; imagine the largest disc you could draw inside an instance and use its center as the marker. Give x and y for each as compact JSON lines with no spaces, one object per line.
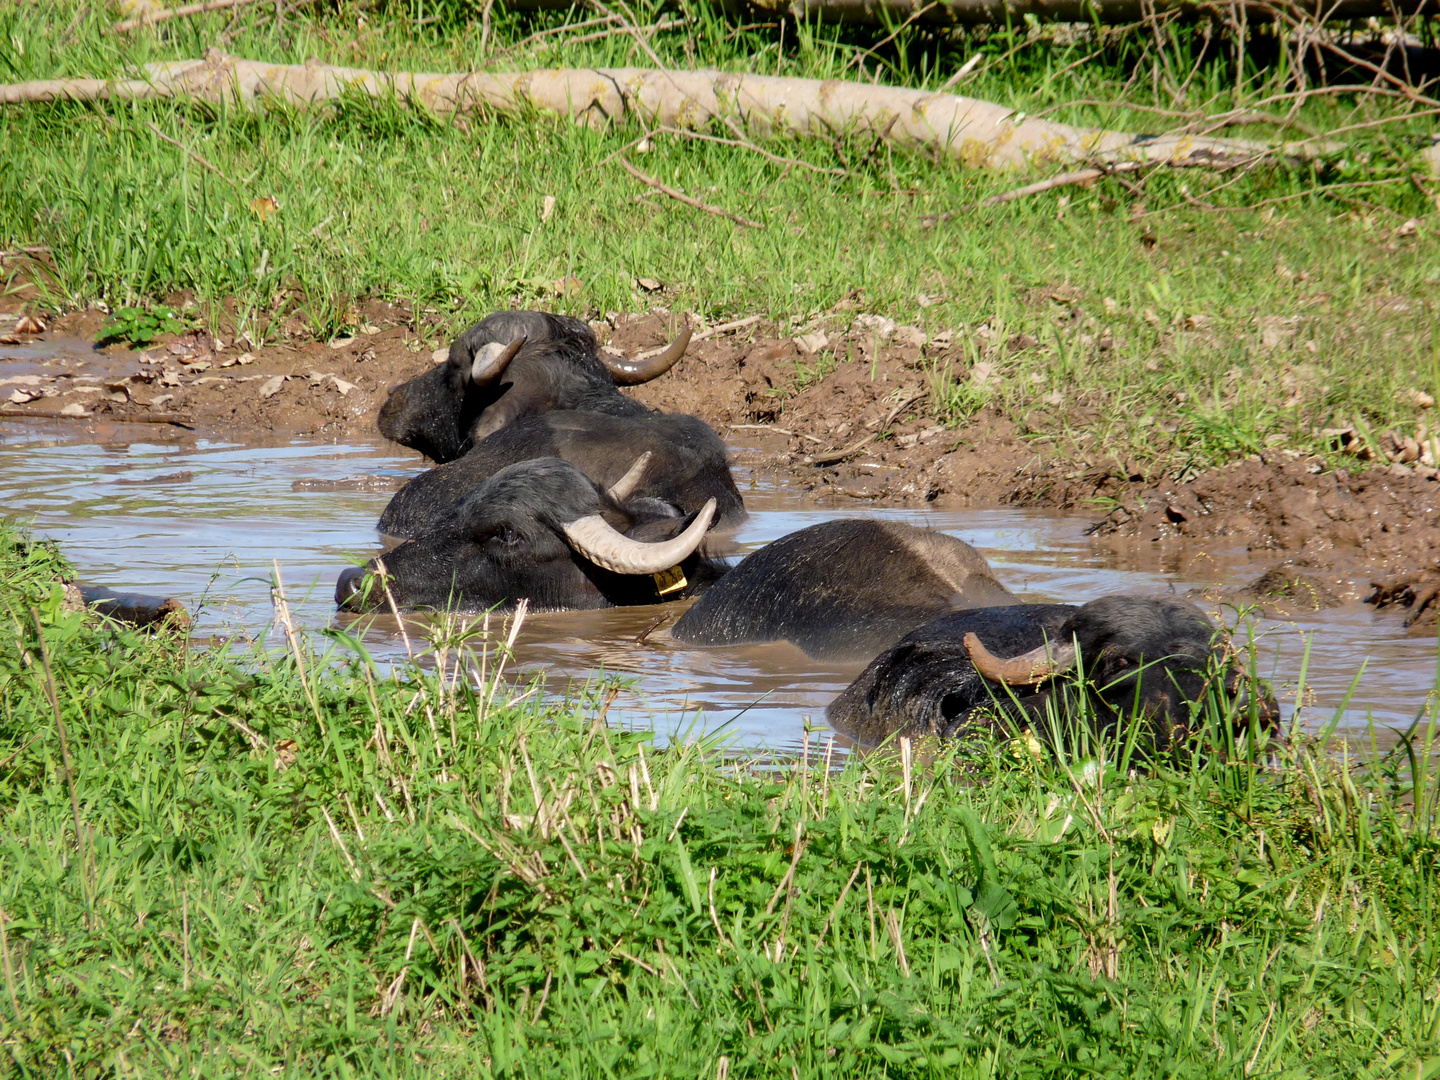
{"x":585,"y":24}
{"x":1190,"y":200}
{"x":726,"y":328}
{"x":201,"y":160}
{"x":69,"y":34}
{"x":1081,"y":176}
{"x":9,"y":971}
{"x":800,"y":844}
{"x":820,"y":937}
{"x":152,"y":18}
{"x":747,"y":145}
{"x":158,"y":418}
{"x":959,"y":76}
{"x":600,"y":35}
{"x":679,"y":196}
{"x":860,"y":56}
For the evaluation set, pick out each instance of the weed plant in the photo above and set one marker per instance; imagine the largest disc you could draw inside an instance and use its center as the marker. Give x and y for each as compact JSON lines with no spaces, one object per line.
{"x":1198,"y":318}
{"x":272,"y":863}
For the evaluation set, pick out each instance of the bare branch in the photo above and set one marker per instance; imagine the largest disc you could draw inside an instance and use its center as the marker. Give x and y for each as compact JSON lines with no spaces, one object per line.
{"x":680,"y":196}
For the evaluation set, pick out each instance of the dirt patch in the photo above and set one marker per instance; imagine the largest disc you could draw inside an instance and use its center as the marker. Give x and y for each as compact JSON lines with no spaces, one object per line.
{"x":850,"y":418}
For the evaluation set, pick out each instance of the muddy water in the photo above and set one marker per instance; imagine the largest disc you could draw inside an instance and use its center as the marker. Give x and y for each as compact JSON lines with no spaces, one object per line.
{"x":158,"y":510}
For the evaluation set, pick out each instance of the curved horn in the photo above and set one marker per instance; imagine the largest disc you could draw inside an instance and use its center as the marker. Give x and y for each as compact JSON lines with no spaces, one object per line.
{"x":606,"y":546}
{"x":632,"y":372}
{"x":623,"y":488}
{"x":492,"y":360}
{"x":1027,"y":669}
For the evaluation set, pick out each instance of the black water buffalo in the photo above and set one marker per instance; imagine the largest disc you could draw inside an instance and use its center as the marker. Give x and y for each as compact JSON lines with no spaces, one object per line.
{"x":842,"y":590}
{"x":508,"y":365}
{"x":685,"y":465}
{"x":541,"y":530}
{"x":1014,"y":667}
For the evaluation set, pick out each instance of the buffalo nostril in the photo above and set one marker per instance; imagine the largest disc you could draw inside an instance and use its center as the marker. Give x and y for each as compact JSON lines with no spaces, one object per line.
{"x":349,"y":586}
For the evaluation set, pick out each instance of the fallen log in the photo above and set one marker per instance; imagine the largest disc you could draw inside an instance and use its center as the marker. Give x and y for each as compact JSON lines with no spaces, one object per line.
{"x":978,"y":134}
{"x":1004,"y":12}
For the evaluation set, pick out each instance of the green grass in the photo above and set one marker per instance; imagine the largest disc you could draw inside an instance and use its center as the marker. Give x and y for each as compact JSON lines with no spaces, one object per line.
{"x":291,"y":865}
{"x":445,"y":215}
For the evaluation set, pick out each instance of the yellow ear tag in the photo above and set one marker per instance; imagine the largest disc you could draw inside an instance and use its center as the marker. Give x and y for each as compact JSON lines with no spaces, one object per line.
{"x":668,"y":581}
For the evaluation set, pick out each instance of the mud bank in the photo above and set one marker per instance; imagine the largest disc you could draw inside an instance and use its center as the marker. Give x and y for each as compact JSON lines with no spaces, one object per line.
{"x":848,"y":419}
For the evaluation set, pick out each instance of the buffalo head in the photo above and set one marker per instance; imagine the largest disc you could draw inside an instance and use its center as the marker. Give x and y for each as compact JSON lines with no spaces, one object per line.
{"x":540,"y":530}
{"x":1112,"y":659}
{"x":508,"y":365}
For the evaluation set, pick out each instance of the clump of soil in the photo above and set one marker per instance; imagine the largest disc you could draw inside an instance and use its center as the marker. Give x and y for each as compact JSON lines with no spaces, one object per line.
{"x":1416,"y":592}
{"x":1385,"y":519}
{"x":1285,"y":591}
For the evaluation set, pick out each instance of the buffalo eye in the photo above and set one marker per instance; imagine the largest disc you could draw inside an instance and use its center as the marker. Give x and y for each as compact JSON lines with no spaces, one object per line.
{"x":503,"y":536}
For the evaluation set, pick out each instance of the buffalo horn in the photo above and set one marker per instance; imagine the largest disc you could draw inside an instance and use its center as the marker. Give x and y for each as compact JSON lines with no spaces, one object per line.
{"x":492,"y":361}
{"x":631,"y":372}
{"x":1027,"y":669}
{"x":623,"y":488}
{"x":604,"y":545}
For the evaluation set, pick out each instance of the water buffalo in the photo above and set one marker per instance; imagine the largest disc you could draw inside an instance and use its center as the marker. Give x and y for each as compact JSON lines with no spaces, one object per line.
{"x":842,"y":590}
{"x":1150,"y":657}
{"x":541,"y":530}
{"x":686,"y":465}
{"x":508,"y":365}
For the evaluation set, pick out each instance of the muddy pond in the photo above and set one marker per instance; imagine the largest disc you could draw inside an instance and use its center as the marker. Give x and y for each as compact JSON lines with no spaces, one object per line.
{"x":157,"y":509}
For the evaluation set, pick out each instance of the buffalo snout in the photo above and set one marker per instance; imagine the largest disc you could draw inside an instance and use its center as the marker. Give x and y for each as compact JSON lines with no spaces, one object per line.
{"x":350,"y":587}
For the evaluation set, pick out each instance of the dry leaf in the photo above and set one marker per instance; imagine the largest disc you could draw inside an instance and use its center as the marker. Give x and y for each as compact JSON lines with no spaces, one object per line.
{"x":20,"y":397}
{"x":648,"y":284}
{"x":265,"y":207}
{"x":547,"y":207}
{"x":74,"y":409}
{"x":439,"y":356}
{"x":567,"y":286}
{"x":982,"y":373}
{"x":271,"y":386}
{"x":343,"y":386}
{"x":910,"y":335}
{"x":813,"y":343}
{"x":341,"y":342}
{"x":1421,"y":398}
{"x":878,"y":324}
{"x":29,"y":324}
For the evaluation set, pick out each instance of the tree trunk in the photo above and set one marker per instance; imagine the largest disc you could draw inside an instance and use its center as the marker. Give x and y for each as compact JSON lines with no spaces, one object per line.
{"x":976,"y":133}
{"x":1001,"y":12}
